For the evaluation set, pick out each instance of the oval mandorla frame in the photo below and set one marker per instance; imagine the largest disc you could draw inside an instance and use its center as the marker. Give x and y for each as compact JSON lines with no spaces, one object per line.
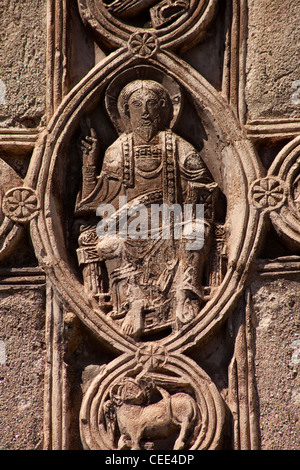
{"x":241,"y":167}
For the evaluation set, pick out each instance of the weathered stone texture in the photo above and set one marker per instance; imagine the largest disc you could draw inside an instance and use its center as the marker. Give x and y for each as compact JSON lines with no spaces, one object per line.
{"x":272,"y":59}
{"x":277,"y":305}
{"x":144,"y":343}
{"x":22,"y":63}
{"x":22,"y":364}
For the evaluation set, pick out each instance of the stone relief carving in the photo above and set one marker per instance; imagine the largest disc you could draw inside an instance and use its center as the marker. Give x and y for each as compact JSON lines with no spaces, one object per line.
{"x":129,"y":290}
{"x":143,"y":44}
{"x":149,"y":344}
{"x":150,"y":300}
{"x":285,"y":215}
{"x":161,"y":13}
{"x":277,"y":194}
{"x":155,"y":281}
{"x":152,"y":405}
{"x":20,"y":204}
{"x":138,"y":418}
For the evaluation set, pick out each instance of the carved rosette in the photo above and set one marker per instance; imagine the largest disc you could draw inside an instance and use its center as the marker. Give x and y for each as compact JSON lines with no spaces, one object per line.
{"x":21,"y":204}
{"x":143,"y":44}
{"x":120,"y":409}
{"x":286,"y":216}
{"x":151,"y":356}
{"x":268,"y":193}
{"x":243,"y":224}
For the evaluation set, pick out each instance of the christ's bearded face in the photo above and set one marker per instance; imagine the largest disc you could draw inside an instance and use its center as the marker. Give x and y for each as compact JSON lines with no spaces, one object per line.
{"x":144,"y":107}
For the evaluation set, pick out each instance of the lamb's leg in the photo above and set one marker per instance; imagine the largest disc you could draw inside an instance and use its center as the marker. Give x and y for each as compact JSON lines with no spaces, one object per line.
{"x":180,"y":441}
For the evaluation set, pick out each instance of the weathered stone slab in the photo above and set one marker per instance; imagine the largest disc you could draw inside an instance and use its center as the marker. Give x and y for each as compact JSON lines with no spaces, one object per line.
{"x":273,"y":60}
{"x":277,"y":360}
{"x":22,"y":63}
{"x":22,"y":365}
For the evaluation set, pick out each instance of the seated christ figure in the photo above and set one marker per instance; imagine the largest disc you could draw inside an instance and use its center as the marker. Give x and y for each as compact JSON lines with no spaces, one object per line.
{"x":154,"y":283}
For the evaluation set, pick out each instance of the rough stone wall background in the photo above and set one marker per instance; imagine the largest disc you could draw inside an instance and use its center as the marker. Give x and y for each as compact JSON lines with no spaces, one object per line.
{"x":22,"y":366}
{"x":273,"y":60}
{"x":276,"y":306}
{"x":22,"y":63}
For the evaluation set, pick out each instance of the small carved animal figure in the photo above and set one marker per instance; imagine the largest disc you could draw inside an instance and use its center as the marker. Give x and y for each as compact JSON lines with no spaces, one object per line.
{"x":136,"y":420}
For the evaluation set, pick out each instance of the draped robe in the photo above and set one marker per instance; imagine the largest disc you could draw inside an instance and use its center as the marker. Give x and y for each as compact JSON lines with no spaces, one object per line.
{"x":153,"y":283}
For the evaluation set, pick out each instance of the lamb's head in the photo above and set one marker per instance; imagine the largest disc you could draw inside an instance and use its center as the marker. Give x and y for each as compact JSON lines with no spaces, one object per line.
{"x":133,"y":393}
{"x":128,"y":391}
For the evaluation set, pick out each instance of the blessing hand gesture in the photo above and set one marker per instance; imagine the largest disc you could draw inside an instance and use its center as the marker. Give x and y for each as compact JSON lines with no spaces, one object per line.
{"x":89,"y":147}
